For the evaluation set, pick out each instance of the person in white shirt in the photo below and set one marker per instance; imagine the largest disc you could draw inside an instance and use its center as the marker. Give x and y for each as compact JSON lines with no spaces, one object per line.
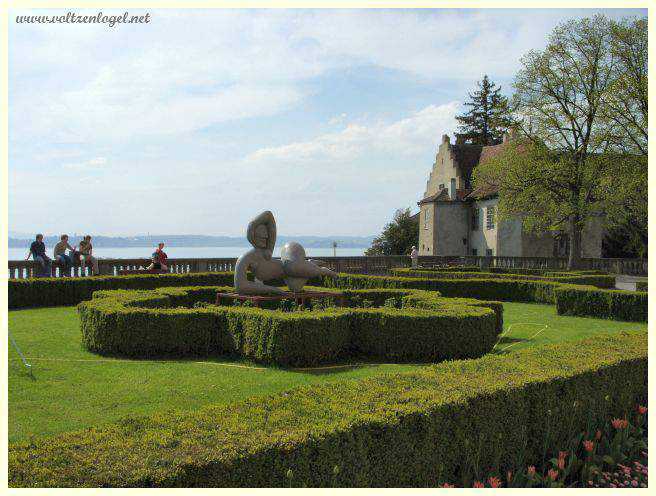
{"x":414,"y":256}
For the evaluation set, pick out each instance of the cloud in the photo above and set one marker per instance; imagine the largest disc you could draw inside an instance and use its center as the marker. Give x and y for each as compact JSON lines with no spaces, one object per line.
{"x":189,"y":69}
{"x":407,"y":136}
{"x":203,"y":108}
{"x":93,"y":163}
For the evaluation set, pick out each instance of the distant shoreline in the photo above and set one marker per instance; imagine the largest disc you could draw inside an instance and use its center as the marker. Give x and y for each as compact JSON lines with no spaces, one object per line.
{"x":198,"y":252}
{"x":193,"y":241}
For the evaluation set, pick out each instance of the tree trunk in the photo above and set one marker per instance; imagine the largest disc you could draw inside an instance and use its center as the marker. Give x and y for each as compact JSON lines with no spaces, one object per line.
{"x":574,"y":260}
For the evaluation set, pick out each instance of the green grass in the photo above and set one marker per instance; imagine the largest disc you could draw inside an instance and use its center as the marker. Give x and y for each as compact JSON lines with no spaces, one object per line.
{"x":72,"y":388}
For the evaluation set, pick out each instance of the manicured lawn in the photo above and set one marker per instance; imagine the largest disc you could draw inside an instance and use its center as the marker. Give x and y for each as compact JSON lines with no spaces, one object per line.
{"x":72,"y":388}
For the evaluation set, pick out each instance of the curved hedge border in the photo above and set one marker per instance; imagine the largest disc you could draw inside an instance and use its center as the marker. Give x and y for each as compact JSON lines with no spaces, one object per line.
{"x":152,"y":323}
{"x":600,"y":281}
{"x":393,"y":430}
{"x":594,"y":302}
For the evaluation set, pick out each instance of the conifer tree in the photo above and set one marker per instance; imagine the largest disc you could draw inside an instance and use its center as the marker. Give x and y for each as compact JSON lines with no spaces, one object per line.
{"x":488,"y":116}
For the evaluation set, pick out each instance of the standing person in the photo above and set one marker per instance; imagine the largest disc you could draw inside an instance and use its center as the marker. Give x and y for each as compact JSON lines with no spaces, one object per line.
{"x":414,"y":256}
{"x":59,"y":254}
{"x":86,"y":254}
{"x":159,"y":259}
{"x":38,"y":252}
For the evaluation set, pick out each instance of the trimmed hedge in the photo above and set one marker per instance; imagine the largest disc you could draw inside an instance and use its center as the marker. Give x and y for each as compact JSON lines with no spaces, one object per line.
{"x":642,"y":286}
{"x":600,"y":281}
{"x":612,"y":304}
{"x":427,"y":328}
{"x":412,"y":429}
{"x":486,"y":289}
{"x":545,"y":272}
{"x":58,"y":291}
{"x":594,"y":302}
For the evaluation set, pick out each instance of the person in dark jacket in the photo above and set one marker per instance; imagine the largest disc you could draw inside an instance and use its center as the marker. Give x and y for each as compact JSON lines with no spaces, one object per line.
{"x":38,"y":253}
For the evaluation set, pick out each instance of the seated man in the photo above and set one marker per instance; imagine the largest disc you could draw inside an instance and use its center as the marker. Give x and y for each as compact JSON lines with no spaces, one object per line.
{"x":38,"y":252}
{"x":159,"y":259}
{"x":86,"y":254}
{"x":59,"y":253}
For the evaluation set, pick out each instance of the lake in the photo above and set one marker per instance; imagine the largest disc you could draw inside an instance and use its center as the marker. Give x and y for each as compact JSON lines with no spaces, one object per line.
{"x":191,"y":252}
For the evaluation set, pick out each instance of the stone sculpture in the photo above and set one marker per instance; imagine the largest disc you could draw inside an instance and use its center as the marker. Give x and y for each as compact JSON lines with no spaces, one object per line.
{"x":292,"y":267}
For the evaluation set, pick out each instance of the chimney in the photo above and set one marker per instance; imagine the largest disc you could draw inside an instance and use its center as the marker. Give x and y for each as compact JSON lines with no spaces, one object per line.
{"x":507,"y":136}
{"x":445,"y":139}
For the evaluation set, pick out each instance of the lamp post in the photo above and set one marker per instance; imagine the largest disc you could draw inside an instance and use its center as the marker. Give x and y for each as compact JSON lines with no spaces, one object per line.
{"x":334,"y":248}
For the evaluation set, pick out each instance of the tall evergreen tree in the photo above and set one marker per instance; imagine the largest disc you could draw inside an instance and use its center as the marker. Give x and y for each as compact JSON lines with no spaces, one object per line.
{"x":488,"y":116}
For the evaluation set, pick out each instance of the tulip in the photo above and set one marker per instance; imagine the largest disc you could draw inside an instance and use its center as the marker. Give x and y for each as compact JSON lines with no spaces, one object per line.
{"x":494,"y":482}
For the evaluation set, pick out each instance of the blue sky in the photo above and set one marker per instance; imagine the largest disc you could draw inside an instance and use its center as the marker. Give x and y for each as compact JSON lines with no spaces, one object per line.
{"x":199,"y":120}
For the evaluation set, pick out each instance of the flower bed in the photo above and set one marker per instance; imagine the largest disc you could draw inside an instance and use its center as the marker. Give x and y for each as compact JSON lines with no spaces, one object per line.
{"x":414,"y":326}
{"x":415,"y":429}
{"x":611,"y":454}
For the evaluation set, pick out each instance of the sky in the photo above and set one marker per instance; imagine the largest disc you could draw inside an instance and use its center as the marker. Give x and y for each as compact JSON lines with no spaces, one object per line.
{"x":199,"y":120}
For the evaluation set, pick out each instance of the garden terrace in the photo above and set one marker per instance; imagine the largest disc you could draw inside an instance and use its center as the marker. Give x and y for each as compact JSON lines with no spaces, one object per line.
{"x":395,"y":325}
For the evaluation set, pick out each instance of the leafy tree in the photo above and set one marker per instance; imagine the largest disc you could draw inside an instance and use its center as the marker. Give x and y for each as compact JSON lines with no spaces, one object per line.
{"x":624,"y":114}
{"x":397,"y":237}
{"x":625,"y":105}
{"x":488,"y":116}
{"x":625,"y":189}
{"x":553,"y":180}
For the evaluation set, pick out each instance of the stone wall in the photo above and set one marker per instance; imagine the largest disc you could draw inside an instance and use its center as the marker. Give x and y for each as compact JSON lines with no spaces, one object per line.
{"x":451,"y":235}
{"x":426,"y":229}
{"x":483,"y":239}
{"x":591,"y":238}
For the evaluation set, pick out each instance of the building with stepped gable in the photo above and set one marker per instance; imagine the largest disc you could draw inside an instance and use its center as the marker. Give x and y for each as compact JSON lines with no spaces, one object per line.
{"x":455,"y":219}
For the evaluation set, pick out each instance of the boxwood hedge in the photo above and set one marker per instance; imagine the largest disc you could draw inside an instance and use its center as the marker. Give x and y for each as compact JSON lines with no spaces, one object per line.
{"x":598,"y":280}
{"x":393,"y":430}
{"x":618,"y":305}
{"x":484,"y":288}
{"x":594,"y":302}
{"x":58,"y":291}
{"x":157,"y":323}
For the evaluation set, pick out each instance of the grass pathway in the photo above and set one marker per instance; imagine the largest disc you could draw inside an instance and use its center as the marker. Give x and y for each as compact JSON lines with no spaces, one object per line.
{"x":72,"y":388}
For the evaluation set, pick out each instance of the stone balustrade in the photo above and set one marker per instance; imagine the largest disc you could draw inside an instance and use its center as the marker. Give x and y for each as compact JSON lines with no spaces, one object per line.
{"x":358,"y":265}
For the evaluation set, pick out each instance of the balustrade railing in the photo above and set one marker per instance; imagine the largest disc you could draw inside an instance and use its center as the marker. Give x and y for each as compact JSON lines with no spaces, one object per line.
{"x":357,"y":265}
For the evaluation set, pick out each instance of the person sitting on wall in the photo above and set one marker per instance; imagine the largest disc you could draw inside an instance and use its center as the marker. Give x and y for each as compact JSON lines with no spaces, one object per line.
{"x":159,"y":259}
{"x":59,"y":254}
{"x":86,"y":254}
{"x":38,"y":253}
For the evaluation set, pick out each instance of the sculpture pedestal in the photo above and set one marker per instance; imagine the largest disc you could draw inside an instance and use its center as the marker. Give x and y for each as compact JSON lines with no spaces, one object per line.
{"x":299,"y":298}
